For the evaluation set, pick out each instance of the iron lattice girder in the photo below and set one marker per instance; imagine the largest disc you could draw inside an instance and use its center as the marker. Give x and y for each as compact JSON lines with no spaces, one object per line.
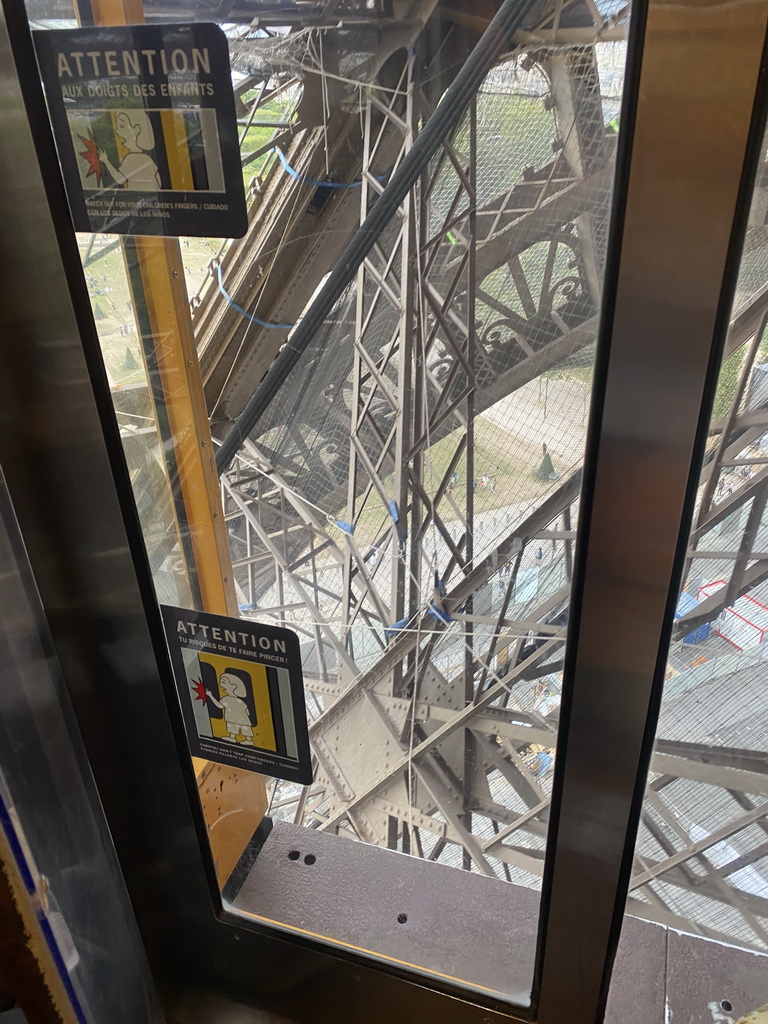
{"x":529,"y":368}
{"x":220,"y":328}
{"x":421,"y":771}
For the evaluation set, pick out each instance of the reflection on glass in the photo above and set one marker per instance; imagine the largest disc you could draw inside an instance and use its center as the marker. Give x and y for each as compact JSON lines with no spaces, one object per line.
{"x":701,"y":862}
{"x":54,"y":839}
{"x":124,"y":360}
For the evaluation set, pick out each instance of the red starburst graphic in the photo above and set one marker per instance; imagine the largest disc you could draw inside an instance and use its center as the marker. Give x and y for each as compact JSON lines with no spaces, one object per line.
{"x":91,"y":156}
{"x":200,"y":693}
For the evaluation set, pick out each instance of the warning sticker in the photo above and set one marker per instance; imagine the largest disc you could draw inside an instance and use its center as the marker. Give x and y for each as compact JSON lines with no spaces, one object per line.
{"x":241,"y":691}
{"x":144,"y":120}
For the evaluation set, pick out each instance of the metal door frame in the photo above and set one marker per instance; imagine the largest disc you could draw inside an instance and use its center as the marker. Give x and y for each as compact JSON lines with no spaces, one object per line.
{"x":62,"y":457}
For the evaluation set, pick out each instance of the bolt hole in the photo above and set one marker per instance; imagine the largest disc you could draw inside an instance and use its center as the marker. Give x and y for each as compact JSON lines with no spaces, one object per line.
{"x":294,"y":855}
{"x":310,"y":858}
{"x":726,"y":1005}
{"x":402,"y":918}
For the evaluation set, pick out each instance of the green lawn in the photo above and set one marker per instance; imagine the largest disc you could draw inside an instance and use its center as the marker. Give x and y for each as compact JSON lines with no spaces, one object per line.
{"x":254,"y":139}
{"x":496,"y":453}
{"x":110,"y":297}
{"x":258,"y":136}
{"x":107,"y":281}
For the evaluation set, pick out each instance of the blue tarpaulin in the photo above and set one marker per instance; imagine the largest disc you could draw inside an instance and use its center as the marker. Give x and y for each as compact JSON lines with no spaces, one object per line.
{"x":687,"y":603}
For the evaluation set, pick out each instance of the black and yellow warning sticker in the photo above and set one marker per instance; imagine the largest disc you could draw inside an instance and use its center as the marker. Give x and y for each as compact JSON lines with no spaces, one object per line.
{"x":241,"y":691}
{"x":144,"y":120}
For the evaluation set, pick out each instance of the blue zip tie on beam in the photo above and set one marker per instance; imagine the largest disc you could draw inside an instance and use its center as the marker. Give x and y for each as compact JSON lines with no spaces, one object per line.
{"x":249,"y":316}
{"x":439,"y":614}
{"x":320,"y":184}
{"x":390,"y":632}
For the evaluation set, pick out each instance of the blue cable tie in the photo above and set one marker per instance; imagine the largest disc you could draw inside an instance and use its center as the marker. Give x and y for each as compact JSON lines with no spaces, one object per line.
{"x":440,"y":614}
{"x":249,"y":316}
{"x":319,"y":184}
{"x":390,"y":632}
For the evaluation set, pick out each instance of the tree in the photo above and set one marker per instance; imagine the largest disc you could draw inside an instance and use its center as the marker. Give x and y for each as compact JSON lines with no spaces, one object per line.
{"x":546,"y":470}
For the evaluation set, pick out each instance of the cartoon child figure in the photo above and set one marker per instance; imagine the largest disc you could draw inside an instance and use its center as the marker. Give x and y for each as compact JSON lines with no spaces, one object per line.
{"x":137,"y":171}
{"x":237,"y":717}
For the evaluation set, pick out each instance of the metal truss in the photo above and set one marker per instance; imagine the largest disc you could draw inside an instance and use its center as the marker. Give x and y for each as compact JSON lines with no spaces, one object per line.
{"x":432,"y":659}
{"x":295,"y":234}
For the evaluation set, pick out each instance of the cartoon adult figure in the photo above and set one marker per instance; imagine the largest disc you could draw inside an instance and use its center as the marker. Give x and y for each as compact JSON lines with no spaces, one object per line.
{"x":237,"y":718}
{"x":137,"y":171}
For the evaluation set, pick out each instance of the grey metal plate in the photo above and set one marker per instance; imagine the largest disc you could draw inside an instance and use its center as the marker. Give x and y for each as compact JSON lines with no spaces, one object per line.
{"x":702,"y":975}
{"x":459,"y":924}
{"x":636,"y":995}
{"x":482,"y":931}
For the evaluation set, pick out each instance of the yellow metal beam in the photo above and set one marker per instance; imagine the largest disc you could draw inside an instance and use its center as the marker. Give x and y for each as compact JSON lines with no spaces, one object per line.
{"x":236,"y":804}
{"x":114,"y":12}
{"x":177,"y":151}
{"x":161,"y":291}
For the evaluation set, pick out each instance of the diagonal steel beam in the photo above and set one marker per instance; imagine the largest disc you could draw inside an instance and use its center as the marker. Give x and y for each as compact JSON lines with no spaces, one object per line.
{"x":715,"y":837}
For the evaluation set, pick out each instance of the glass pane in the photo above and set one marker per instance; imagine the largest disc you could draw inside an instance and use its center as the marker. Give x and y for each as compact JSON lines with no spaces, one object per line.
{"x":407,"y":501}
{"x":701,"y":862}
{"x":52,"y":828}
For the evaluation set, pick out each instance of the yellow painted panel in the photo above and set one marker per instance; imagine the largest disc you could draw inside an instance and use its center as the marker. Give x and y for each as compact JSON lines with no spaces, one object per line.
{"x":235,"y":801}
{"x":117,"y":12}
{"x":162,"y":273}
{"x":263,"y":729}
{"x":177,"y":150}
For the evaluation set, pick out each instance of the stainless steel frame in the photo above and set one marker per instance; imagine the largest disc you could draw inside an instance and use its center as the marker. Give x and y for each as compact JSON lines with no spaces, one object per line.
{"x":672,"y":265}
{"x":662,"y":334}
